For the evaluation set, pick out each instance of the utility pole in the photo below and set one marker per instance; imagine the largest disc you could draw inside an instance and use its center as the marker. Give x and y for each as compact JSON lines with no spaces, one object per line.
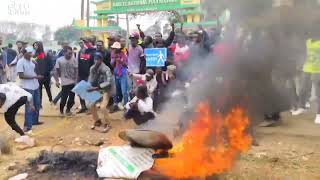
{"x":82,"y":9}
{"x":88,"y":13}
{"x":128,"y":27}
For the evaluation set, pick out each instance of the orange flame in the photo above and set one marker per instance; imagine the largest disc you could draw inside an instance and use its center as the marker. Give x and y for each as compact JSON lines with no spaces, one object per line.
{"x":209,"y":147}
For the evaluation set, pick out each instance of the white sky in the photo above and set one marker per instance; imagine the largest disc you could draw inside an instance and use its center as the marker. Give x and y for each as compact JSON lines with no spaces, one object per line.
{"x":55,"y":13}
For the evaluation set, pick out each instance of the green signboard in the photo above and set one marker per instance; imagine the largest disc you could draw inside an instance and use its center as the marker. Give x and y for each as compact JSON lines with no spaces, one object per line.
{"x":125,"y":6}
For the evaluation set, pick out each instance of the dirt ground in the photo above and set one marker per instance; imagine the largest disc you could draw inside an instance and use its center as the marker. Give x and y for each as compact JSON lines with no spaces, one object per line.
{"x":289,"y":152}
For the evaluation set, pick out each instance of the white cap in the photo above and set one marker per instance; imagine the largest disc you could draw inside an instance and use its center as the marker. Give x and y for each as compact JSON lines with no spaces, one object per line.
{"x":29,"y":50}
{"x":116,"y":45}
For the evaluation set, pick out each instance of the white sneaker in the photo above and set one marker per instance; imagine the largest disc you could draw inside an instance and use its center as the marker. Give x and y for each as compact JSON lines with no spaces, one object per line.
{"x":121,"y":107}
{"x":308,"y":105}
{"x":298,"y":112}
{"x":317,"y":121}
{"x":21,"y":139}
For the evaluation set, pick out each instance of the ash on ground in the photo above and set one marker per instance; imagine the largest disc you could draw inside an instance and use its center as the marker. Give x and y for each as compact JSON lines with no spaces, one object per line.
{"x":67,"y":165}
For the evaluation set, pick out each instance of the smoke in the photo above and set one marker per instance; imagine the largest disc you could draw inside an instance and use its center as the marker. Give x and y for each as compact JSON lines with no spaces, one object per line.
{"x":266,"y":51}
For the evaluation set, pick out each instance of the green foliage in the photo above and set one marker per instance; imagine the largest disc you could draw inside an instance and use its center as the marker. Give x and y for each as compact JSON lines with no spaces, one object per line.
{"x":67,"y":34}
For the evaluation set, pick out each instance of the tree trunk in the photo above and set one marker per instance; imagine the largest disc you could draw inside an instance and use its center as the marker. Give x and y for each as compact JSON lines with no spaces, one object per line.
{"x":82,"y":9}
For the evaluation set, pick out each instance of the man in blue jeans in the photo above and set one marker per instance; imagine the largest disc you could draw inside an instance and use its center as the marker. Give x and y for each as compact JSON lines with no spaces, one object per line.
{"x":29,"y":82}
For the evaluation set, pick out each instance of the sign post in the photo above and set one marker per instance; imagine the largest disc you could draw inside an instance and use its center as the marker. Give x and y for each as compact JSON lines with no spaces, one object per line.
{"x":155,"y":57}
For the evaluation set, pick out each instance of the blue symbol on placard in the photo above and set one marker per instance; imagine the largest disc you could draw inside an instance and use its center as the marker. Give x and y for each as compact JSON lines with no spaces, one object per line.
{"x":155,"y":57}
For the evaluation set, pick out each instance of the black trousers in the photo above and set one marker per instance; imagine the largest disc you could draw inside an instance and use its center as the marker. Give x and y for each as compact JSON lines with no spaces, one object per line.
{"x":46,"y":83}
{"x":137,"y":117}
{"x":67,"y":95}
{"x":83,"y":102}
{"x":10,"y":115}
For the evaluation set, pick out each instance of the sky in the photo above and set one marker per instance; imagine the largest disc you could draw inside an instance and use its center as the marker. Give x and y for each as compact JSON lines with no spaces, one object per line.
{"x":56,"y":13}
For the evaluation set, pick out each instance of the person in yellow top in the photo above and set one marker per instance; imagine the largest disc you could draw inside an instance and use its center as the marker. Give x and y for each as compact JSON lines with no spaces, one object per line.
{"x":311,"y":71}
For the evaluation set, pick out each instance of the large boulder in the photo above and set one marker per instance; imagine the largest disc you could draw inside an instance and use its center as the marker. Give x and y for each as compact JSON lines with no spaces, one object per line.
{"x":146,"y":139}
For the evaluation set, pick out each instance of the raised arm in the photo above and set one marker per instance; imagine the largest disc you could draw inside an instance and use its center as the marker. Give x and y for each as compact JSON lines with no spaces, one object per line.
{"x":170,"y":39}
{"x":142,"y":35}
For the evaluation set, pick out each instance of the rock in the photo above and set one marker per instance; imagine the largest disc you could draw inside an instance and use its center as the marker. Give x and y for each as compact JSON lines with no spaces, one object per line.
{"x":305,"y":158}
{"x":12,"y":166}
{"x":5,"y":147}
{"x":99,"y":143}
{"x":26,"y":140}
{"x":43,"y":168}
{"x":146,"y":139}
{"x":22,"y":176}
{"x":22,"y":147}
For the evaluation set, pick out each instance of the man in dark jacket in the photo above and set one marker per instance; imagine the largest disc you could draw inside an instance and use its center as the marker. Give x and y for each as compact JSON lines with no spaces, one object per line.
{"x":85,"y":61}
{"x":11,"y":56}
{"x":105,"y":53}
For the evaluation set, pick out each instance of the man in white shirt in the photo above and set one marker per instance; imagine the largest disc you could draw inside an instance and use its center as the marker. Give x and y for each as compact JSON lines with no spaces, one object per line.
{"x":29,"y":82}
{"x":12,"y":97}
{"x":140,"y":108}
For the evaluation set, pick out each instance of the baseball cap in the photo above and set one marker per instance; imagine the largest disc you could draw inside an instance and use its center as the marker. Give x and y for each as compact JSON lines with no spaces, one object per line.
{"x":134,"y":35}
{"x":29,"y":49}
{"x":98,"y":56}
{"x":149,"y":73}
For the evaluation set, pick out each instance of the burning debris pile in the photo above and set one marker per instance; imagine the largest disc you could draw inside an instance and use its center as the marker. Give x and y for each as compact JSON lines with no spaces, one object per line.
{"x":210,"y":146}
{"x":67,"y":165}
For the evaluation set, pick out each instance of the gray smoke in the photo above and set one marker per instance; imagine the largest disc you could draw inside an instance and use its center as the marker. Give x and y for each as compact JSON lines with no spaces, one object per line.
{"x":269,"y":55}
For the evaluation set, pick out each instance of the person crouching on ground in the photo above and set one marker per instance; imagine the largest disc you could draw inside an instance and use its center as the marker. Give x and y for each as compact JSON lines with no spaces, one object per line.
{"x":140,"y":108}
{"x":12,"y":97}
{"x":101,"y":79}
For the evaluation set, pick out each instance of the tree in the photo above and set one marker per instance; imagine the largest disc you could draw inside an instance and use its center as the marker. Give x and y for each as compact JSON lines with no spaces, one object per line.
{"x":67,"y":34}
{"x":46,"y":36}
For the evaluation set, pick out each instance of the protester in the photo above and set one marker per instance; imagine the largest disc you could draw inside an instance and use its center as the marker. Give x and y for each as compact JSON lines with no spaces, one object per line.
{"x":111,"y":41}
{"x":119,"y":60}
{"x":13,"y":65}
{"x":147,"y":40}
{"x":158,"y":39}
{"x":149,"y":80}
{"x":85,"y":61}
{"x":67,"y":69}
{"x":64,"y":45}
{"x":101,"y":79}
{"x":11,"y":56}
{"x":105,"y":53}
{"x":182,"y":52}
{"x":30,"y":82}
{"x":43,"y":67}
{"x":163,"y":80}
{"x":12,"y":97}
{"x":136,"y":60}
{"x":3,"y":63}
{"x":312,"y":72}
{"x":140,"y":108}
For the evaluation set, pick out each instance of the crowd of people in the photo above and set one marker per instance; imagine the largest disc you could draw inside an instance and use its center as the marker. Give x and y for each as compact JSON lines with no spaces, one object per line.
{"x":119,"y":72}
